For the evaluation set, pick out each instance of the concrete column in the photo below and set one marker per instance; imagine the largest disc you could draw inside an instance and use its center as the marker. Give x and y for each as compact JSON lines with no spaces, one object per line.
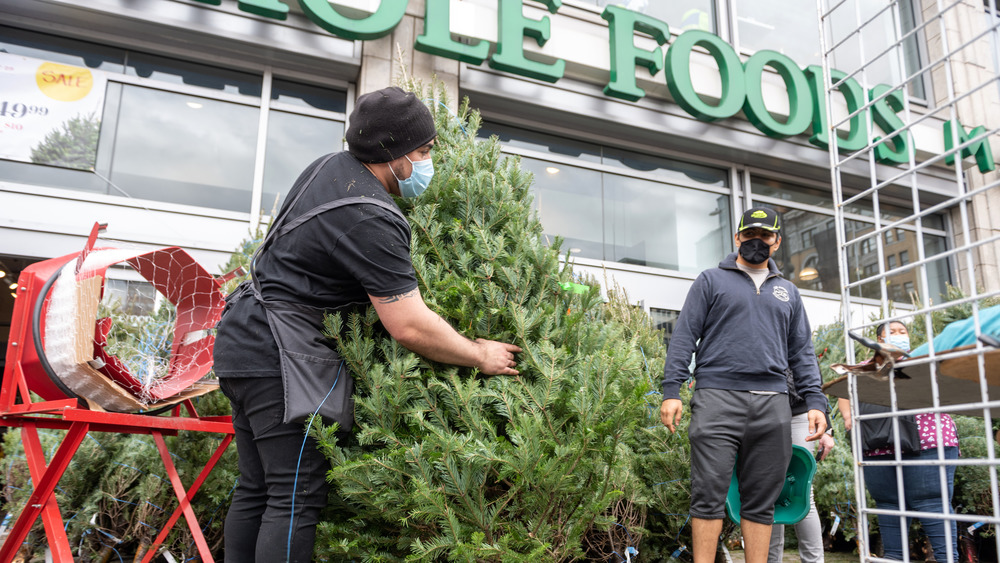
{"x":386,"y":61}
{"x":971,"y":67}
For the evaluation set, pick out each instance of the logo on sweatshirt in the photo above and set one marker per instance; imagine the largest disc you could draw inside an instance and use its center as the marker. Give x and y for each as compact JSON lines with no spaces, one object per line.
{"x":781,"y":293}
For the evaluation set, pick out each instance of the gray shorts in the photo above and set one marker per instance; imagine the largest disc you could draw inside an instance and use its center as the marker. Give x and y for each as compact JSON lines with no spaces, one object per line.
{"x":742,"y":429}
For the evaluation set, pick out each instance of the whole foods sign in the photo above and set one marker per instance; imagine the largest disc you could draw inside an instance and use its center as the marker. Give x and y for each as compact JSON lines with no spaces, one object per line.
{"x":741,"y":80}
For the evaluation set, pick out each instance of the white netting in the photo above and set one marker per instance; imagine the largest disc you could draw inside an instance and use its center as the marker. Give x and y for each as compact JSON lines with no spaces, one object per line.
{"x":131,"y":328}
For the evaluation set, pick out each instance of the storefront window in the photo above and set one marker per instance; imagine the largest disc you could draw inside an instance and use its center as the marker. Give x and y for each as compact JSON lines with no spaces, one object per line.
{"x":59,"y":50}
{"x":787,"y":26}
{"x":163,"y":69}
{"x":568,"y":201}
{"x":811,"y":261}
{"x":654,"y":224}
{"x":791,"y":27}
{"x":664,"y":319}
{"x":179,"y":148}
{"x":129,"y":297}
{"x":938,"y":276}
{"x":666,"y":169}
{"x":809,"y":254}
{"x":186,"y":133}
{"x":525,"y":139}
{"x":823,"y":198}
{"x":306,"y":96}
{"x":635,"y":209}
{"x":293,"y":142}
{"x":682,"y":15}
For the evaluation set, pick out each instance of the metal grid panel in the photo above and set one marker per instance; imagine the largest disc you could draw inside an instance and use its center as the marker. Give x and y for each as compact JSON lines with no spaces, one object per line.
{"x":946,"y":52}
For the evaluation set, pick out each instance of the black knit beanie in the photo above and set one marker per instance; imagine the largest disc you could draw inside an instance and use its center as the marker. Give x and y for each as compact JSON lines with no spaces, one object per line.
{"x":388,"y":123}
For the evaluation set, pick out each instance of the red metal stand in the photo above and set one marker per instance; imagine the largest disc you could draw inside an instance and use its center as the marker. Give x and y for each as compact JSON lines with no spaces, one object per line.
{"x":25,"y":372}
{"x":78,"y":422}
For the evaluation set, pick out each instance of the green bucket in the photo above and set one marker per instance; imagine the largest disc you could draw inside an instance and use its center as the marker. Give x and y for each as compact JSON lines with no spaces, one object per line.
{"x":793,"y":502}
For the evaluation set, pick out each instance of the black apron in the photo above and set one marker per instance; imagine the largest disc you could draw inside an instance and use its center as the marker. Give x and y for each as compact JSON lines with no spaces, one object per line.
{"x":314,"y":377}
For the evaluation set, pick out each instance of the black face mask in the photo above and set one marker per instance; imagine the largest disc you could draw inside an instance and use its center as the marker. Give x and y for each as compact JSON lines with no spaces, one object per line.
{"x":755,"y":251}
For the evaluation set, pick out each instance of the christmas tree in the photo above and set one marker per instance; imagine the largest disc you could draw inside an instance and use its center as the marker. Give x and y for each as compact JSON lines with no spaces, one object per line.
{"x":448,"y":464}
{"x":72,"y":146}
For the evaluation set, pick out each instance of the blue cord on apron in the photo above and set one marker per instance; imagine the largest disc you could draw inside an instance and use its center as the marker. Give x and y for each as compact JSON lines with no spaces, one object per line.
{"x":295,"y":483}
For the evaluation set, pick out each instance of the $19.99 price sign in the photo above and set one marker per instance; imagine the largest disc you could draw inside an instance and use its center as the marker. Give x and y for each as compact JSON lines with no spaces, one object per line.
{"x":17,"y":109}
{"x":39,"y":99}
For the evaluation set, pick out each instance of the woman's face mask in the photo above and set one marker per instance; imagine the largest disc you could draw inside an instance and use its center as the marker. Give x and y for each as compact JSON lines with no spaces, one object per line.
{"x":901,"y":341}
{"x":420,"y":178}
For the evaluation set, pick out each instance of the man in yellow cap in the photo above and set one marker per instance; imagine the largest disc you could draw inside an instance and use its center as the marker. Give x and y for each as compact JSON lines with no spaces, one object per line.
{"x":745,"y":326}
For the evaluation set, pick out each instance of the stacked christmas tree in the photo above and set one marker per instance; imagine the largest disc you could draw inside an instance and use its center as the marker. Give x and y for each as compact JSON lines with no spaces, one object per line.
{"x":446,"y":463}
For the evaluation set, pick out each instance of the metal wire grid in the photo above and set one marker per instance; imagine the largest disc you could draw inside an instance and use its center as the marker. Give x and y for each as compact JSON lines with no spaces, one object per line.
{"x":957,"y":36}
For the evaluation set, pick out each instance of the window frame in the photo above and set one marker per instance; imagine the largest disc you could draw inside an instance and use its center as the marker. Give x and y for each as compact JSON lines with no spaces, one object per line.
{"x":263,"y":104}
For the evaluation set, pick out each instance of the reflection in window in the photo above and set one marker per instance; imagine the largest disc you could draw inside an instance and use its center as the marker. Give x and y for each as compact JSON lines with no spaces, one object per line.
{"x":938,"y":271}
{"x":568,"y":201}
{"x":158,"y":144}
{"x":682,"y":15}
{"x":60,"y":50}
{"x":654,"y":224}
{"x":813,"y":265}
{"x":304,"y":95}
{"x":293,"y":142}
{"x":664,"y":319}
{"x":182,"y":72}
{"x":180,"y":149}
{"x":877,"y":36}
{"x":130,"y":297}
{"x":824,"y":199}
{"x":665,"y":169}
{"x":816,"y":266}
{"x":807,"y":238}
{"x":525,"y":139}
{"x":624,"y":218}
{"x":789,"y":27}
{"x":867,"y":245}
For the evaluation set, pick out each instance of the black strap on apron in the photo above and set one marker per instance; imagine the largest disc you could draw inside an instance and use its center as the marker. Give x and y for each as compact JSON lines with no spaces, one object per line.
{"x":313,"y":375}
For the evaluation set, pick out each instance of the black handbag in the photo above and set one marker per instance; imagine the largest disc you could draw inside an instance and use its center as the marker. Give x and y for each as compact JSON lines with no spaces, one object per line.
{"x":877,"y":433}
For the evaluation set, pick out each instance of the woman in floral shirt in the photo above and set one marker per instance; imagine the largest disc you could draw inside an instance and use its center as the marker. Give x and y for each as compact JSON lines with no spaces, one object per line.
{"x":921,"y":483}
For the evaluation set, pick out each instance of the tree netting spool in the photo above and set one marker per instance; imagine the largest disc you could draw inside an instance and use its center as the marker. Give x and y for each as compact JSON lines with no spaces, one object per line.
{"x":97,"y":350}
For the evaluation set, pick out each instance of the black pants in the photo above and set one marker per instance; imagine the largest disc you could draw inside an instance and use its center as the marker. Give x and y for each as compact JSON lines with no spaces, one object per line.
{"x":259,"y":526}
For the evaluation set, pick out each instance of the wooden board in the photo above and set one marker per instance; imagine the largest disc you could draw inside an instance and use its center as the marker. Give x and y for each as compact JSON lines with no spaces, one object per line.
{"x":958,"y":384}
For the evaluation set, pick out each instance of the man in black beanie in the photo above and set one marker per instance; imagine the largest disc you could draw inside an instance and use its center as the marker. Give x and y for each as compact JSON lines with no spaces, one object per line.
{"x":339,"y":242}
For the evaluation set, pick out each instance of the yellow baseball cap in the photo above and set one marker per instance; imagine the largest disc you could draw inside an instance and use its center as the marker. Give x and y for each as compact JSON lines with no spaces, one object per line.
{"x":761,"y":218}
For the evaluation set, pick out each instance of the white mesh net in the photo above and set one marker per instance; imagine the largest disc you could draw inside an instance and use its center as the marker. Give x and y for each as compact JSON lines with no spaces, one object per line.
{"x":128,"y":329}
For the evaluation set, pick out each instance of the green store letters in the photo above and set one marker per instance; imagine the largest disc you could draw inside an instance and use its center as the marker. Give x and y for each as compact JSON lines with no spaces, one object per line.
{"x":741,"y":81}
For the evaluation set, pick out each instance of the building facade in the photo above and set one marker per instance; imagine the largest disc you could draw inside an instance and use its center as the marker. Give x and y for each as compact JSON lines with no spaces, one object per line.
{"x":649,"y":126}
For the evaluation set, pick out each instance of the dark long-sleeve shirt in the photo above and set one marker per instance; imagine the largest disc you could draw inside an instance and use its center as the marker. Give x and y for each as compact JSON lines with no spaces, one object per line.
{"x":743,"y":338}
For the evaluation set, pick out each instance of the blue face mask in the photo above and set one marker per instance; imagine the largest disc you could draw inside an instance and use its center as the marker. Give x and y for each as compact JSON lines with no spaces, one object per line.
{"x":901,"y":341}
{"x":420,"y":178}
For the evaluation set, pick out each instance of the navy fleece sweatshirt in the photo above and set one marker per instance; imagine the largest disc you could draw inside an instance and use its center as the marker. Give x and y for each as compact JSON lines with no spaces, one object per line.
{"x":743,"y":338}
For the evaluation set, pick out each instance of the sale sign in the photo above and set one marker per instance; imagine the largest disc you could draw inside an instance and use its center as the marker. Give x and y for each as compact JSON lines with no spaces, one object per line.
{"x":50,"y":113}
